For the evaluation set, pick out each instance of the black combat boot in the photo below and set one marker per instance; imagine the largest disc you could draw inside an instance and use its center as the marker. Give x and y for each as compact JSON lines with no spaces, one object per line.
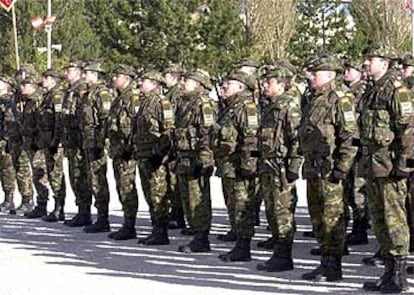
{"x":199,"y":244}
{"x":397,"y":283}
{"x":187,"y":231}
{"x":240,"y":252}
{"x":38,"y":211}
{"x":177,"y":219}
{"x":126,"y":232}
{"x":26,"y":205}
{"x":158,"y":236}
{"x":333,"y":271}
{"x":228,"y":237}
{"x":318,"y":272}
{"x":267,"y":244}
{"x":375,"y":286}
{"x":309,"y":234}
{"x":375,"y":260}
{"x":57,"y":214}
{"x":281,"y":259}
{"x":411,"y":245}
{"x":101,"y":225}
{"x":83,"y":218}
{"x":359,"y":235}
{"x":318,"y":251}
{"x":8,"y":204}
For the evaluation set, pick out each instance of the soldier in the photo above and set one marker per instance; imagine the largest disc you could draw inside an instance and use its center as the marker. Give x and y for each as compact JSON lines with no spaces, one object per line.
{"x":195,"y":115}
{"x":120,"y":131}
{"x":172,"y":77}
{"x":29,"y":129}
{"x":354,"y":185}
{"x":386,"y":124}
{"x":235,"y":152}
{"x":152,"y":143}
{"x":327,"y":128}
{"x":279,"y":164}
{"x":7,"y":172}
{"x":49,"y":130}
{"x":21,"y":162}
{"x":94,"y":107}
{"x":72,"y":142}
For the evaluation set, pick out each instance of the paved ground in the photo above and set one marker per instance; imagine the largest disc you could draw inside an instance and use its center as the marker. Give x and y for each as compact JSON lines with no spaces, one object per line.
{"x":41,"y":258}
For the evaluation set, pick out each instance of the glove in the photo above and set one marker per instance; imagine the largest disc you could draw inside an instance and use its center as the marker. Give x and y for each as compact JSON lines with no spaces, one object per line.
{"x":53,"y":150}
{"x":337,"y":176}
{"x":245,"y":173}
{"x":398,"y":174}
{"x":291,"y":176}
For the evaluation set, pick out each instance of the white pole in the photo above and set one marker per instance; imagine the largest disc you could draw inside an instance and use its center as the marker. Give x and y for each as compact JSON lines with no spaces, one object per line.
{"x":48,"y":29}
{"x":16,"y":44}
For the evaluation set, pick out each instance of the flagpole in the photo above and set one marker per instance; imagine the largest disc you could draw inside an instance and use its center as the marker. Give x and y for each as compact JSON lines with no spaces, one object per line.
{"x":412,"y":26}
{"x":16,"y":45}
{"x":48,"y":29}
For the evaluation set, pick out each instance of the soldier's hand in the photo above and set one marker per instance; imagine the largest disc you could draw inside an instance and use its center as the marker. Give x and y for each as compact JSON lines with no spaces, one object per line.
{"x":291,"y":176}
{"x":398,"y":174}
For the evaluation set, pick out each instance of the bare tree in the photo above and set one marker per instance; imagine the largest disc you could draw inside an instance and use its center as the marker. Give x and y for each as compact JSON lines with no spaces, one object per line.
{"x":383,"y":21}
{"x":270,"y":24}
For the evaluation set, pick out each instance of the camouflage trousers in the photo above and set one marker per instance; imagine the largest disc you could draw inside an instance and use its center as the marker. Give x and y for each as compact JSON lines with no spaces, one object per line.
{"x":280,"y":201}
{"x":7,"y":172}
{"x":125,"y":173}
{"x":326,"y":210}
{"x":240,"y":198}
{"x":154,"y":186}
{"x":386,"y":199}
{"x":54,"y":163}
{"x":196,"y":201}
{"x":78,"y":176}
{"x":173,"y":192}
{"x":21,"y":163}
{"x":96,"y":162}
{"x":39,"y":170}
{"x":356,"y":196}
{"x":410,"y":208}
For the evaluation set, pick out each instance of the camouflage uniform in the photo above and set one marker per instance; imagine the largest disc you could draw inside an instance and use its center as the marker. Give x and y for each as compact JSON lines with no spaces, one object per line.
{"x":195,"y":115}
{"x":120,"y":130}
{"x":279,"y":165}
{"x":387,"y":129}
{"x":49,"y":130}
{"x":7,"y":172}
{"x":29,"y":129}
{"x":93,"y":111}
{"x":72,"y":142}
{"x":152,"y":142}
{"x":326,"y":132}
{"x":235,"y":152}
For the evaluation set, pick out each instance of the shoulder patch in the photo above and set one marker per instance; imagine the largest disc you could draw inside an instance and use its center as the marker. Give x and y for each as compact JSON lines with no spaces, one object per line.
{"x":405,"y":100}
{"x":167,"y":112}
{"x":347,"y":104}
{"x":208,"y":113}
{"x":57,"y":102}
{"x":252,"y":114}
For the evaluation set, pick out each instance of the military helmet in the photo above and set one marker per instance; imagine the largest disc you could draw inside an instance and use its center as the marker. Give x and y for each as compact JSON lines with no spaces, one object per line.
{"x":25,"y":69}
{"x":407,"y":60}
{"x":125,"y":70}
{"x":246,"y":62}
{"x":380,"y":50}
{"x":244,"y":78}
{"x":200,"y":76}
{"x":276,"y":71}
{"x":52,"y":73}
{"x":355,"y":63}
{"x":31,"y":79}
{"x":172,"y":68}
{"x":94,"y":67}
{"x":153,"y":75}
{"x":7,"y":79}
{"x":75,"y":64}
{"x":287,"y":65}
{"x":326,"y":62}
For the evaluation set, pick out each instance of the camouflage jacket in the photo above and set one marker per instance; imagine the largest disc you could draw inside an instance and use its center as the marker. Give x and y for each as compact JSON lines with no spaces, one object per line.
{"x":29,"y":120}
{"x":71,"y":136}
{"x":5,"y":101}
{"x":278,"y":135}
{"x":13,"y":111}
{"x":121,"y":120}
{"x":386,"y":127}
{"x":154,"y":126}
{"x":49,"y":118}
{"x":93,"y":113}
{"x":327,"y":132}
{"x":235,"y":137}
{"x":195,"y":115}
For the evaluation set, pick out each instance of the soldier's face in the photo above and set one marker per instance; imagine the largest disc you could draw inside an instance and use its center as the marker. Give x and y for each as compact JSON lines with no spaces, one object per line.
{"x":147,"y":86}
{"x":190,"y":85}
{"x":3,"y":87}
{"x":90,"y":77}
{"x":352,"y":75}
{"x":232,"y":87}
{"x":272,"y":87}
{"x":28,"y":89}
{"x":171,"y":79}
{"x":321,"y":78}
{"x":407,"y":71}
{"x":48,"y":82}
{"x":120,"y":81}
{"x":376,"y":66}
{"x":72,"y":74}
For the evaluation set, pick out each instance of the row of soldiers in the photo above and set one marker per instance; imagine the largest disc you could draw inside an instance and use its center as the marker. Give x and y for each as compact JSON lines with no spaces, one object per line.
{"x":355,"y":141}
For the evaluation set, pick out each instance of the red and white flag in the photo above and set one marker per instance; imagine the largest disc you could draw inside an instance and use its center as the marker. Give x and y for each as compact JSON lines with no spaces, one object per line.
{"x":37,"y":23}
{"x":408,"y":5}
{"x":7,"y":4}
{"x":50,"y":20}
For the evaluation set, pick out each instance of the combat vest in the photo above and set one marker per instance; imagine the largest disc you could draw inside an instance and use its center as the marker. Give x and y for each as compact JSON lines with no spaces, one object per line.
{"x":30,"y":118}
{"x":71,"y":136}
{"x":154,"y":125}
{"x":194,"y":118}
{"x":12,"y":119}
{"x":235,"y":136}
{"x":121,"y":121}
